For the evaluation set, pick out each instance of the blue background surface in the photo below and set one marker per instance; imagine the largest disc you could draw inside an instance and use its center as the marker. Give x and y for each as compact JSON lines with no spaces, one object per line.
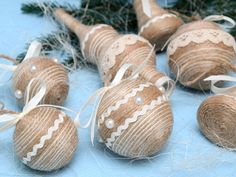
{"x":187,"y":152}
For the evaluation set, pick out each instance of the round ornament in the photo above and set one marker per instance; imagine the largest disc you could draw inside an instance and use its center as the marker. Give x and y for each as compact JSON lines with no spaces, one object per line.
{"x":217,"y":114}
{"x":201,"y":49}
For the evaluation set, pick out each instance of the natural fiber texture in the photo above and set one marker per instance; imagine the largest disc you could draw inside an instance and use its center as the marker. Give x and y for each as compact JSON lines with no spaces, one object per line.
{"x":4,"y":111}
{"x":44,"y":70}
{"x":45,"y":139}
{"x":102,"y":45}
{"x":198,"y":50}
{"x":141,"y":116}
{"x":159,"y":26}
{"x":217,"y":120}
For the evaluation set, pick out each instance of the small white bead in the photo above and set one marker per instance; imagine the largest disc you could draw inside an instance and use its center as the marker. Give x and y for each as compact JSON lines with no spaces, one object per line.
{"x":162,"y":89}
{"x":138,"y":100}
{"x":109,"y":123}
{"x":18,"y":94}
{"x":1,"y":105}
{"x":55,"y":60}
{"x":33,"y":68}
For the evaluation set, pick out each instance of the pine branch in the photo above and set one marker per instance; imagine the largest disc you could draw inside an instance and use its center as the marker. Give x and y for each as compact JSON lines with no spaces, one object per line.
{"x":204,"y":8}
{"x":40,"y":10}
{"x":51,"y":43}
{"x":119,"y":14}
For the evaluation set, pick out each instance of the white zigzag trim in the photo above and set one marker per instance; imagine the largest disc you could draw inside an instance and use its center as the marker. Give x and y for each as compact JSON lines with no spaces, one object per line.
{"x":121,"y":102}
{"x":88,"y":35}
{"x":48,"y":136}
{"x":135,"y":117}
{"x":153,"y":20}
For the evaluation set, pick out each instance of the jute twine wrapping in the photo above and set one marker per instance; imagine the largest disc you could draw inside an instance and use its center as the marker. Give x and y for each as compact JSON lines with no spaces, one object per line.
{"x":57,"y":151}
{"x":45,"y":70}
{"x":198,"y":60}
{"x":98,"y":43}
{"x":4,"y":111}
{"x":217,"y":120}
{"x":156,"y":28}
{"x":143,"y":137}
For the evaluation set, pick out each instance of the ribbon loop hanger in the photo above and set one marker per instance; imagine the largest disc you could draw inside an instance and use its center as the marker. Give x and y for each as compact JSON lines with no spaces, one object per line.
{"x":216,"y":78}
{"x":215,"y":18}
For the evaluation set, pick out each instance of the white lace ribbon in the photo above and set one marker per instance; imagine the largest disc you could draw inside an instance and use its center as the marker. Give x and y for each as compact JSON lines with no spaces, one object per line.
{"x":216,"y":78}
{"x":214,"y":18}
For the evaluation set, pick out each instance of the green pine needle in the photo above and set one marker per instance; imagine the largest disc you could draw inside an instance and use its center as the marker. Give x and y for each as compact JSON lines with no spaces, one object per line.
{"x":119,"y":14}
{"x":204,"y":8}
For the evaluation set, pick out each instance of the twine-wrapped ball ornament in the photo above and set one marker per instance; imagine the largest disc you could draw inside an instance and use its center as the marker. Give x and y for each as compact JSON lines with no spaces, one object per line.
{"x":217,"y":118}
{"x":43,"y":69}
{"x":45,"y":138}
{"x":103,"y":46}
{"x":39,"y":68}
{"x":155,"y":24}
{"x":135,"y":119}
{"x":200,"y":49}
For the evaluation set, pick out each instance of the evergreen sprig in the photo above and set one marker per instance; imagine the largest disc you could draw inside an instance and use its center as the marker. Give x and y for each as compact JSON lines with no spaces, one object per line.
{"x":119,"y":14}
{"x":204,"y":8}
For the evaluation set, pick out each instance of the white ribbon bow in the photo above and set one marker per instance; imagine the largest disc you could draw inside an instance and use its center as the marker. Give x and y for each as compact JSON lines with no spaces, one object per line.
{"x":216,"y":78}
{"x":33,"y":51}
{"x":8,"y":120}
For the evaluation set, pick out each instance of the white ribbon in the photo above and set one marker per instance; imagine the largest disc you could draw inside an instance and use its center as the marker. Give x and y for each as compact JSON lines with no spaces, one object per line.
{"x":216,"y":78}
{"x":6,"y":66}
{"x":34,"y":50}
{"x":215,"y":18}
{"x":8,"y":120}
{"x":30,"y":104}
{"x":147,"y":8}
